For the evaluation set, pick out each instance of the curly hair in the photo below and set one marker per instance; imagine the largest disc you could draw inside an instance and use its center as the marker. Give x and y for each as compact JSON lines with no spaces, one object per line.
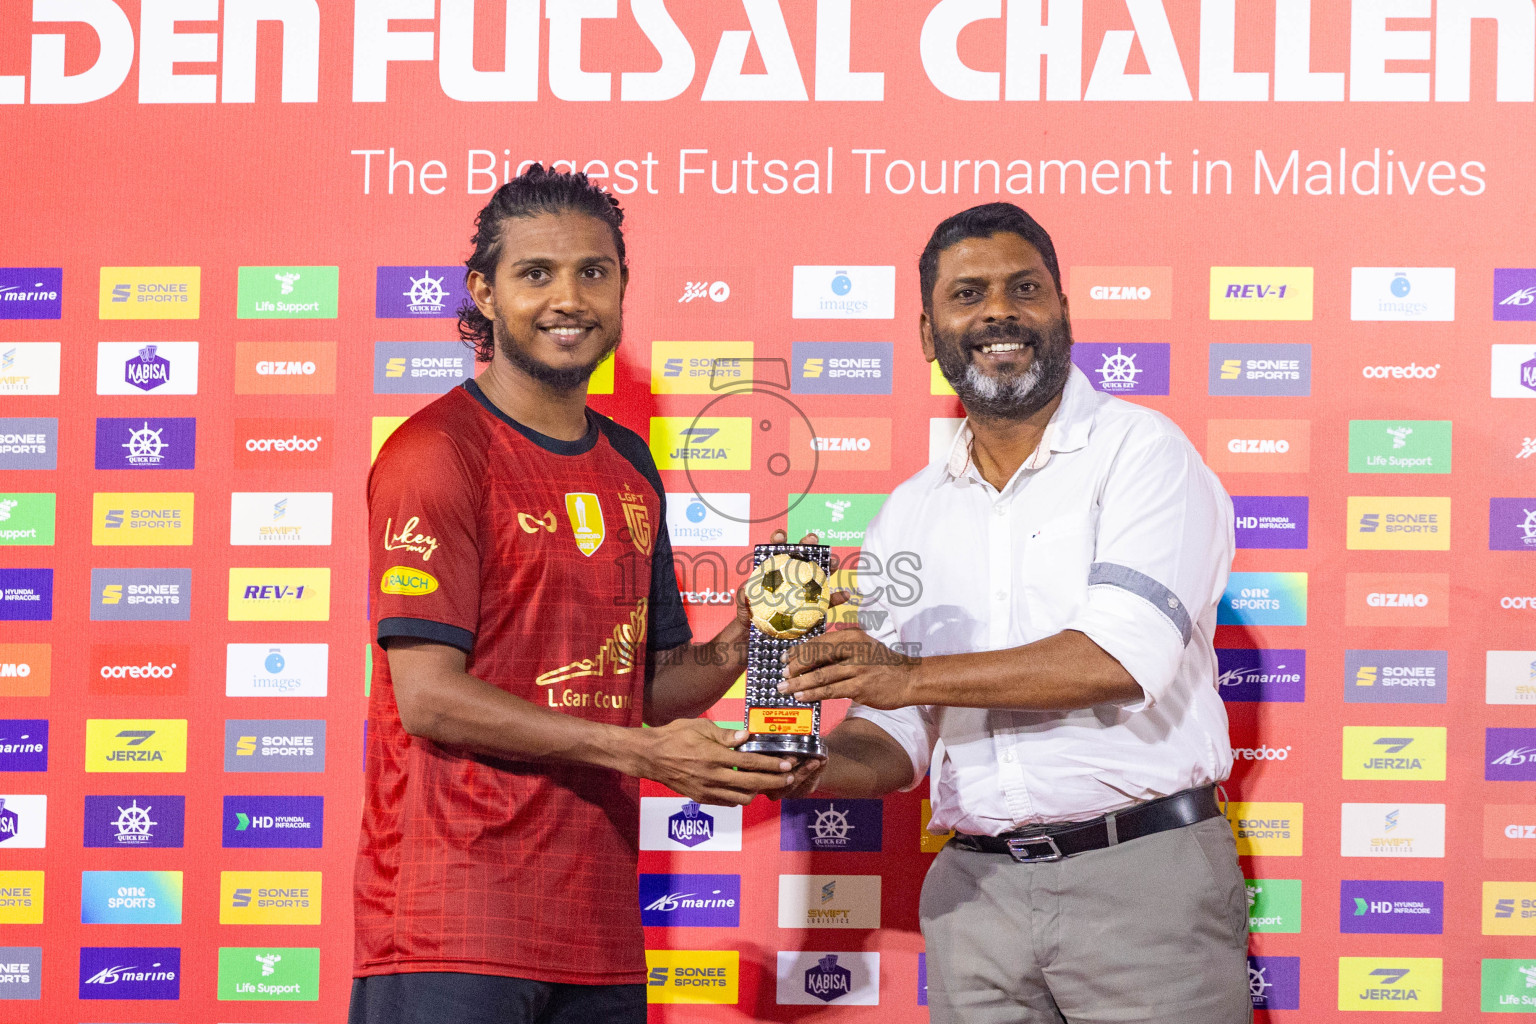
{"x":536,"y":191}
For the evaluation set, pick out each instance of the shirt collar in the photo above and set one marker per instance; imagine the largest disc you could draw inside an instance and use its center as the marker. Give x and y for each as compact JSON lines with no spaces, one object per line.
{"x":1067,"y":430}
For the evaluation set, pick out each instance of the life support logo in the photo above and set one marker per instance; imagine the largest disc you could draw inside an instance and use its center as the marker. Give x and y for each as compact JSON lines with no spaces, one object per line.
{"x":407,"y":582}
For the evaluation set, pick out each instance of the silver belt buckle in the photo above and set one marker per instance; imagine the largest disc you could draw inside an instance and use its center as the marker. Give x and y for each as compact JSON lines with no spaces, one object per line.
{"x":1019,"y":849}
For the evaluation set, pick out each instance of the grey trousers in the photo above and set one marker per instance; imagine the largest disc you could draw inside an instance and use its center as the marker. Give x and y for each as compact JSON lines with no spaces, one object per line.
{"x":1155,"y":929}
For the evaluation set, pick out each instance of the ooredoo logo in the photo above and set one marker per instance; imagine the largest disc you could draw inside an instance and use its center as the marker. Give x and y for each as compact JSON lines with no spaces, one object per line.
{"x":283,"y":443}
{"x":1396,"y":599}
{"x":139,"y":670}
{"x":1258,"y":446}
{"x":285,"y":368}
{"x":1409,"y":371}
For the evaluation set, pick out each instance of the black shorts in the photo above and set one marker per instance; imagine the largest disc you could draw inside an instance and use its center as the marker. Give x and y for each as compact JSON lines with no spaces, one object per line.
{"x":442,"y":997}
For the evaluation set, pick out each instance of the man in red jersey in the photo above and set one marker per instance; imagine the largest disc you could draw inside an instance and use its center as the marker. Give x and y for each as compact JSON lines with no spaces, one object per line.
{"x":525,"y":600}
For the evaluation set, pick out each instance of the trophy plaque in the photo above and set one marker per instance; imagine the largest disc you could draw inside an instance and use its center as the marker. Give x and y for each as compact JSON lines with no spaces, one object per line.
{"x":789,"y":591}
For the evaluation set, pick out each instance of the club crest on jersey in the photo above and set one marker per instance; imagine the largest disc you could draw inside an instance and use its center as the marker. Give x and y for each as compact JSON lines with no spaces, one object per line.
{"x":638,"y":518}
{"x":586,"y":516}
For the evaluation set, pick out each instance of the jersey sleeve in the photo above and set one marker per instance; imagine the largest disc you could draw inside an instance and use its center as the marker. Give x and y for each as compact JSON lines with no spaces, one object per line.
{"x":424,"y":553}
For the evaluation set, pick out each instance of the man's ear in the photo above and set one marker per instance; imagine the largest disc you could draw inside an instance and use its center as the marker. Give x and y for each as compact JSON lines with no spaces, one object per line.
{"x":479,"y":287}
{"x":925,"y":332}
{"x":1066,"y":312}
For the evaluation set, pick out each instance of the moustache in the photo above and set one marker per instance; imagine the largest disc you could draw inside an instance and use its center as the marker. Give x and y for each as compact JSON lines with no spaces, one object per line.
{"x":1002,"y":330}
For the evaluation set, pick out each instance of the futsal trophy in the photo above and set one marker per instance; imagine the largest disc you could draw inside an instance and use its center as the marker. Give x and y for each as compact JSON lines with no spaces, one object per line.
{"x":790,"y":595}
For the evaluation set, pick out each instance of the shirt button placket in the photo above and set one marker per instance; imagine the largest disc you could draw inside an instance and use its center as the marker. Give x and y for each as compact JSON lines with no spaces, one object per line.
{"x":1001,"y":572}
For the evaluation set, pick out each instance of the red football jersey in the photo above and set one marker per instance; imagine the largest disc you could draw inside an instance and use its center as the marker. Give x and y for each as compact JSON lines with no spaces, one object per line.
{"x":548,"y":563}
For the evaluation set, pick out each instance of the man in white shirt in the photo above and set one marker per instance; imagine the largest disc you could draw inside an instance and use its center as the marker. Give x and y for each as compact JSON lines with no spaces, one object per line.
{"x":1072,"y":549}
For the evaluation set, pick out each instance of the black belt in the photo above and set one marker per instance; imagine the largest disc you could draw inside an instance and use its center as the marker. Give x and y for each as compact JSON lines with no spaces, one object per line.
{"x":1055,"y":842}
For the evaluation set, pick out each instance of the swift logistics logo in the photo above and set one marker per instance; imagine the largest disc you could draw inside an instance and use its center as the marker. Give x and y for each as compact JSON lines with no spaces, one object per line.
{"x":1258,"y":446}
{"x":130,"y":897}
{"x":1509,"y":986}
{"x":21,"y":897}
{"x":1128,"y":368}
{"x":268,"y":973}
{"x":27,"y":519}
{"x":1399,"y":446}
{"x":841,"y":367}
{"x":1274,"y":905}
{"x":1258,"y":674}
{"x":837,"y":519}
{"x":287,"y":293}
{"x":829,"y":901}
{"x":274,"y":745}
{"x":29,"y":367}
{"x":139,"y":670}
{"x":21,"y":972}
{"x":1395,"y":677}
{"x":1394,"y":752}
{"x":1509,"y":755}
{"x":158,"y":368}
{"x":843,"y":293}
{"x":1266,"y":829}
{"x":276,"y":670}
{"x":715,"y":520}
{"x":1392,"y":830}
{"x":676,"y":823}
{"x":420,"y":367}
{"x":1121,"y":293}
{"x":1274,"y":982}
{"x":269,"y":897}
{"x":283,"y":443}
{"x":1391,"y":984}
{"x":23,"y":821}
{"x":698,"y":367}
{"x":1514,"y":372}
{"x":1402,"y":293}
{"x":831,"y":825}
{"x":1264,"y":599}
{"x":141,"y":519}
{"x":274,"y":822}
{"x":704,"y":442}
{"x":146,"y":442}
{"x":285,"y":368}
{"x":1391,"y":908}
{"x":807,"y":978}
{"x":141,"y":595}
{"x":26,"y":595}
{"x":1512,"y":524}
{"x":1509,"y":677}
{"x":1398,"y":524}
{"x":690,"y":901}
{"x":419,"y":292}
{"x":280,"y":518}
{"x":1514,"y":293}
{"x":1261,"y":293}
{"x":26,"y":670}
{"x":1270,"y":521}
{"x":1509,"y":908}
{"x":692,"y":976}
{"x":136,"y":745}
{"x":279,"y":595}
{"x":31,"y":293}
{"x":130,"y":972}
{"x":1396,"y":599}
{"x":135,"y":821}
{"x":29,"y":442}
{"x":1250,"y":370}
{"x":149,"y":293}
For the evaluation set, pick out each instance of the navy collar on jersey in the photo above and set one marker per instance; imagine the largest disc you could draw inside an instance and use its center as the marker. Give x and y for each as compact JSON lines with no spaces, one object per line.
{"x":554,"y":445}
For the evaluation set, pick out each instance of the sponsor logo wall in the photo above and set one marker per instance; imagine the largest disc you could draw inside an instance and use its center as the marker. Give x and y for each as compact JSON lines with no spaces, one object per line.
{"x":195,"y":377}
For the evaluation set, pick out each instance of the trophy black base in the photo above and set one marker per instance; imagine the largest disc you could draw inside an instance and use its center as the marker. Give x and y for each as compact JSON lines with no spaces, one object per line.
{"x":778,"y":746}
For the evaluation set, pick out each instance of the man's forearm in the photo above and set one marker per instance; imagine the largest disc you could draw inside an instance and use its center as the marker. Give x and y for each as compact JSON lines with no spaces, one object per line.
{"x":863,"y":761}
{"x":1064,"y":672}
{"x":689,"y":679}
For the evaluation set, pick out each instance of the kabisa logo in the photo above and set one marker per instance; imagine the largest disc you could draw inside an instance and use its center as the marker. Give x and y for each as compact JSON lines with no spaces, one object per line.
{"x":1398,"y":524}
{"x":1509,"y":908}
{"x":23,"y":745}
{"x":841,"y":367}
{"x":1264,"y":599}
{"x":130,"y":972}
{"x":1258,"y":674}
{"x":1394,"y":752}
{"x":276,"y":670}
{"x":1514,"y":371}
{"x":715,"y":520}
{"x":1399,"y":446}
{"x":1390,"y":984}
{"x":692,"y":976}
{"x":161,"y":368}
{"x":143,"y":518}
{"x":1274,"y":982}
{"x":21,"y":975}
{"x":1261,"y":293}
{"x":698,"y":367}
{"x":1512,"y":524}
{"x":26,"y":595}
{"x":418,"y":292}
{"x":146,"y":443}
{"x":23,"y":821}
{"x":1514,"y":294}
{"x":1391,"y":908}
{"x":268,"y":973}
{"x":1270,"y":521}
{"x":1395,"y":677}
{"x":1392,"y":830}
{"x":1402,"y":293}
{"x":705,"y":442}
{"x":149,"y":293}
{"x":676,"y":824}
{"x":1266,"y":829}
{"x":420,"y":367}
{"x":140,"y":595}
{"x":269,"y":897}
{"x":31,"y":293}
{"x":843,"y":293}
{"x":285,"y":368}
{"x":1260,"y":369}
{"x":1510,"y":755}
{"x":29,"y":367}
{"x":831,"y":825}
{"x":29,"y":442}
{"x":274,"y":822}
{"x":283,"y":443}
{"x":274,"y":745}
{"x":22,"y":897}
{"x":1409,"y":371}
{"x":1124,"y":369}
{"x":1274,"y":905}
{"x":820,"y":978}
{"x":287,"y":293}
{"x":1396,"y":598}
{"x":135,"y":821}
{"x":1121,"y":293}
{"x":1509,"y":986}
{"x":136,"y":745}
{"x":691,"y":826}
{"x":690,"y":901}
{"x":279,"y":595}
{"x":827,"y":980}
{"x":130,"y":897}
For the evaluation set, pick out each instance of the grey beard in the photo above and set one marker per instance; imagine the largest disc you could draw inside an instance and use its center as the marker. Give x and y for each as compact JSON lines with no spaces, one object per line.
{"x":1018,"y":397}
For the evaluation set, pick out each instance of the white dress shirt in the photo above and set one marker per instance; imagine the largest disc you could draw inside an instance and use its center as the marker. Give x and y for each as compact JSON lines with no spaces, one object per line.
{"x":1113,"y":527}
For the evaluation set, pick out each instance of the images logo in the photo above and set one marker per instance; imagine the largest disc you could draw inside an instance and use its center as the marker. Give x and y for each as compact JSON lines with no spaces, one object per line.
{"x":28,"y":367}
{"x":274,"y":745}
{"x":130,"y":897}
{"x":25,"y":670}
{"x":417,"y":292}
{"x":1258,"y":446}
{"x":21,"y":897}
{"x":830,"y":825}
{"x":1265,"y":829}
{"x":149,"y":293}
{"x":1411,"y":293}
{"x":1391,"y":908}
{"x":1509,"y":986}
{"x":136,"y":745}
{"x":269,"y":897}
{"x":709,"y":520}
{"x":698,"y":367}
{"x":1399,"y":446}
{"x":1274,"y":904}
{"x":1514,"y":294}
{"x":1264,"y":599}
{"x":30,"y":442}
{"x":1270,"y":522}
{"x":146,"y":518}
{"x":135,"y":821}
{"x":1510,"y":755}
{"x":708,"y":442}
{"x":1395,"y":677}
{"x":279,"y":595}
{"x":274,"y":822}
{"x":141,"y":595}
{"x":1396,"y":599}
{"x":1274,"y":982}
{"x":690,"y":901}
{"x":1248,"y":369}
{"x":285,"y":368}
{"x":1121,"y":293}
{"x":31,"y":293}
{"x":1394,"y":752}
{"x":692,"y":976}
{"x":844,"y":293}
{"x":1124,"y":369}
{"x":841,"y":368}
{"x":838,"y":519}
{"x":420,"y":367}
{"x":1398,"y":524}
{"x":829,"y":901}
{"x":1512,"y":524}
{"x":21,"y":975}
{"x":1392,"y":830}
{"x":276,"y":670}
{"x":269,"y":973}
{"x":283,"y":443}
{"x":23,"y":822}
{"x":1247,"y":674}
{"x":818,"y":978}
{"x":675,"y":823}
{"x":130,"y":972}
{"x":162,"y":368}
{"x":1514,"y":371}
{"x":1261,"y":293}
{"x":26,"y":520}
{"x":1390,"y":984}
{"x":280,"y":518}
{"x":143,"y":442}
{"x":287,"y":293}
{"x":26,"y":595}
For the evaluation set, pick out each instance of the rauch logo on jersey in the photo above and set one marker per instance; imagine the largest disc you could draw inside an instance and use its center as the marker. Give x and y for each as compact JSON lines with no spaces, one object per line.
{"x":1510,"y":755}
{"x":160,"y":368}
{"x":29,"y":368}
{"x":274,"y":745}
{"x":1402,"y":293}
{"x":31,"y":293}
{"x":27,"y":519}
{"x":285,"y":368}
{"x":417,"y":292}
{"x":23,"y":821}
{"x":142,"y":518}
{"x":1396,"y":598}
{"x":692,"y":976}
{"x":276,"y":670}
{"x":274,"y":822}
{"x":1261,"y":293}
{"x":130,"y":897}
{"x":1128,"y":368}
{"x":26,"y":595}
{"x":1391,"y":908}
{"x":1259,"y":369}
{"x":287,"y":293}
{"x":133,"y":821}
{"x":821,"y":979}
{"x":1392,"y":830}
{"x":26,"y":670}
{"x":690,"y":901}
{"x":23,"y":745}
{"x":830,"y":825}
{"x":1264,"y":599}
{"x":1274,"y":905}
{"x":1258,"y":674}
{"x":1274,"y":982}
{"x":1390,"y":984}
{"x":675,"y":823}
{"x":1399,"y":446}
{"x":1509,"y":986}
{"x":1398,"y":524}
{"x":145,"y":442}
{"x":29,"y":442}
{"x":267,"y":973}
{"x":1514,"y":371}
{"x":283,"y":443}
{"x":1395,"y":677}
{"x":841,"y":367}
{"x":1512,"y":524}
{"x":130,"y":972}
{"x":21,"y":897}
{"x":140,"y":595}
{"x":698,"y":367}
{"x":21,"y":972}
{"x":279,"y":595}
{"x":420,"y":367}
{"x":1270,"y":521}
{"x":843,"y":293}
{"x":1121,"y":293}
{"x":136,"y":745}
{"x":1514,"y":294}
{"x":139,"y":670}
{"x":150,"y":293}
